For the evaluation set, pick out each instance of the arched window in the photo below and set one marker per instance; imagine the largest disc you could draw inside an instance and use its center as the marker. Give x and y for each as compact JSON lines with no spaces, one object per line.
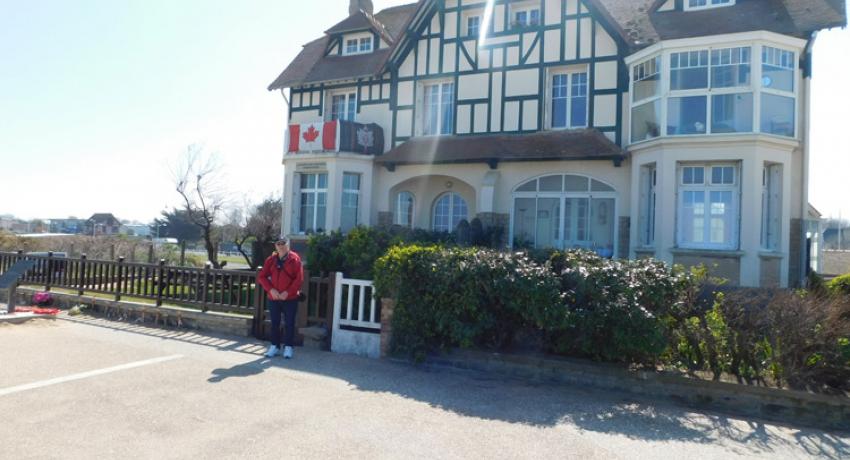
{"x":564,"y":211}
{"x":404,"y":209}
{"x":449,"y":209}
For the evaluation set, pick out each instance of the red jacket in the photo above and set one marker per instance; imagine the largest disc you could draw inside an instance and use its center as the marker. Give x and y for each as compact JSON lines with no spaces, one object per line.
{"x":288,"y":278}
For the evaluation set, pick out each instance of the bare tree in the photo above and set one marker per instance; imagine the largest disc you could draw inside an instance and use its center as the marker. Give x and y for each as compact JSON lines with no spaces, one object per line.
{"x":198,"y":180}
{"x":263,"y":225}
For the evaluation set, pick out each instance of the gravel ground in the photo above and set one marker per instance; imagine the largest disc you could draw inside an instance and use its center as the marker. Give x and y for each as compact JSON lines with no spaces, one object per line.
{"x":90,"y":388}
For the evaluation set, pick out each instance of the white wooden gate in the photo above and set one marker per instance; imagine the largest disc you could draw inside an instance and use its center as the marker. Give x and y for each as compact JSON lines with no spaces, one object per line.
{"x":357,"y":321}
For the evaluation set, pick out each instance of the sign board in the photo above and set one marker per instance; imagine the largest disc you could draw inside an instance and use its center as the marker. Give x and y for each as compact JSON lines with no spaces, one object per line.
{"x":14,"y":273}
{"x":306,"y":167}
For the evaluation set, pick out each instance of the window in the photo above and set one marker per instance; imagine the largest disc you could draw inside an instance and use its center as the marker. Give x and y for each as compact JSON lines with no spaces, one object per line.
{"x":708,"y":214}
{"x":314,"y":198}
{"x":564,"y":211}
{"x":771,"y":206}
{"x":343,"y":106}
{"x":778,"y":103}
{"x":724,"y":73}
{"x":439,"y":109}
{"x":449,"y":210}
{"x":526,"y":17}
{"x":569,"y":100}
{"x":358,"y":45}
{"x":404,"y":209}
{"x":473,"y":26}
{"x":702,"y":4}
{"x":714,"y":91}
{"x":350,"y":201}
{"x":648,"y":178}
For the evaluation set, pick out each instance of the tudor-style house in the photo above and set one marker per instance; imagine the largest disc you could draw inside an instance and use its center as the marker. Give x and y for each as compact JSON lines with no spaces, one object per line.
{"x":674,"y":129}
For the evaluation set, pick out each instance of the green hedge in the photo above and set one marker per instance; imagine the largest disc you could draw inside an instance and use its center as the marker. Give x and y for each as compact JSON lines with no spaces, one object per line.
{"x":638,"y":312}
{"x":840,"y":285}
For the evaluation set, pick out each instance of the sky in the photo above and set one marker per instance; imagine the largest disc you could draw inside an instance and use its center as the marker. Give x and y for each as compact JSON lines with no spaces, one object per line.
{"x":100,"y":98}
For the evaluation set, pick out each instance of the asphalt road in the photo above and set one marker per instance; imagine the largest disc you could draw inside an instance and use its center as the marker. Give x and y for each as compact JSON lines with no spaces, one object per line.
{"x":89,"y":388}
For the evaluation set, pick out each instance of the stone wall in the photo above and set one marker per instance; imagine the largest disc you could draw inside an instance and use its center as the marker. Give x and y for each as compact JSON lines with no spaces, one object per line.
{"x":771,"y":272}
{"x":722,"y":266}
{"x":836,"y":262}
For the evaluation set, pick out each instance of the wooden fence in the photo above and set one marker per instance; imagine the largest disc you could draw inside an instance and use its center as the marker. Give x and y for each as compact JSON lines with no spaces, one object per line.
{"x":207,"y":289}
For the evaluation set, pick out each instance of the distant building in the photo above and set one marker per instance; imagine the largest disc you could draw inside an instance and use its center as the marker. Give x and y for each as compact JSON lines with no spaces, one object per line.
{"x":102,"y":224}
{"x":69,"y":226}
{"x":140,"y":230}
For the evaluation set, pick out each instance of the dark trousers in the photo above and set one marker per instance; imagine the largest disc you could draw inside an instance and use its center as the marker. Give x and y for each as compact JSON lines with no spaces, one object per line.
{"x":289,"y":308}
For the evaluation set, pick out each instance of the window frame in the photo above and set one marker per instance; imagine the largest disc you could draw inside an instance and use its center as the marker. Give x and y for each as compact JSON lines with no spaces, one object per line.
{"x":398,"y":211}
{"x":358,"y":40}
{"x":754,"y":90}
{"x":469,"y":19}
{"x":424,"y":108}
{"x":348,"y":94}
{"x":316,"y":191}
{"x":440,"y":197}
{"x":550,"y":98}
{"x":706,"y":187}
{"x":527,"y":9}
{"x":349,"y":191}
{"x":708,"y":5}
{"x":589,"y":194}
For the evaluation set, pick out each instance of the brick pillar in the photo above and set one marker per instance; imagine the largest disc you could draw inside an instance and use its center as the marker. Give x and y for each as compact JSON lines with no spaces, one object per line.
{"x":387,"y":307}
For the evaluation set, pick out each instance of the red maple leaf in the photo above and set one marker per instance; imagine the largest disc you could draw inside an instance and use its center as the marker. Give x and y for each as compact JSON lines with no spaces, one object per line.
{"x":311,"y":134}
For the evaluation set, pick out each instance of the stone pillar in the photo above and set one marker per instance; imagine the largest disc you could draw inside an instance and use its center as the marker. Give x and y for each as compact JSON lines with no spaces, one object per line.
{"x":385,"y":219}
{"x":387,"y":307}
{"x":795,"y":253}
{"x":624,"y":239}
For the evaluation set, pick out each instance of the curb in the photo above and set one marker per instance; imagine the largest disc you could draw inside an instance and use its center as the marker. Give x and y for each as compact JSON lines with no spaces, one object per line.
{"x":777,"y":405}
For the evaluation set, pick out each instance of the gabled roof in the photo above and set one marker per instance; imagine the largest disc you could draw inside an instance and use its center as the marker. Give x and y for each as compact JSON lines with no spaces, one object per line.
{"x":637,"y":23}
{"x":312,"y":65}
{"x":574,"y":144}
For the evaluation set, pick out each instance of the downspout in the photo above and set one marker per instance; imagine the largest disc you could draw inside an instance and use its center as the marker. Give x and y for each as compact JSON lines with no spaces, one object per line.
{"x":807,"y":105}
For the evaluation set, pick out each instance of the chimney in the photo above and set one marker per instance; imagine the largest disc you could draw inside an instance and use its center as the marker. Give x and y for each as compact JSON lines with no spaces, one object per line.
{"x":356,"y":5}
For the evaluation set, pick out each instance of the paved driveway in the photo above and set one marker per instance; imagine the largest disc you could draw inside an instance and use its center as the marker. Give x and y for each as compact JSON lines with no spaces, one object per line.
{"x":90,"y":388}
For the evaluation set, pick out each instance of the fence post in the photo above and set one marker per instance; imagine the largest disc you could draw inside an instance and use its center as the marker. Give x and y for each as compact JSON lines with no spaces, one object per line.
{"x":160,"y":282}
{"x":83,"y":279}
{"x":120,"y":278}
{"x":112,"y":252}
{"x":259,"y":311}
{"x":205,"y":286}
{"x":150,"y":254}
{"x":183,"y":253}
{"x":49,"y":274}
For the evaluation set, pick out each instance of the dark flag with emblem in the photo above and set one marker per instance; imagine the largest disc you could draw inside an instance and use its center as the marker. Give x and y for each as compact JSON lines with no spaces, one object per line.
{"x":360,"y":138}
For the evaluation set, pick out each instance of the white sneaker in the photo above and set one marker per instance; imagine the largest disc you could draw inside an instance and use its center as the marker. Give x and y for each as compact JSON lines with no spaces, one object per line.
{"x":287,"y":352}
{"x":273,"y":351}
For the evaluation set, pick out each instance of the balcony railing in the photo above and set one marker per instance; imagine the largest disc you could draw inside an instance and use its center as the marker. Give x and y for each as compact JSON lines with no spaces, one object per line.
{"x":335,"y":136}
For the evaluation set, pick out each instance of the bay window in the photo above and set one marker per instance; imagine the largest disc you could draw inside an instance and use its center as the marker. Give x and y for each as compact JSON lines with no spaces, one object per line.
{"x":569,"y":100}
{"x":708,"y":206}
{"x":714,"y":91}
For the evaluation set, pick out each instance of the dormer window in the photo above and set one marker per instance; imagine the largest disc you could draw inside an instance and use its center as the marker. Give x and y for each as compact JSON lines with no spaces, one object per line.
{"x":704,"y":4}
{"x":358,"y":45}
{"x":525,"y":16}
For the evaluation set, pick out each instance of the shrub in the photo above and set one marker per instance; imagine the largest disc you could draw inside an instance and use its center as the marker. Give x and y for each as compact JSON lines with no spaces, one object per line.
{"x":840,"y":285}
{"x":463,"y":297}
{"x":613,"y":310}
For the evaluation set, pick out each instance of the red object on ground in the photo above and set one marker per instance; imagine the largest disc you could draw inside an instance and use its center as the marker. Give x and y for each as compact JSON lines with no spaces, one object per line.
{"x":37,"y":310}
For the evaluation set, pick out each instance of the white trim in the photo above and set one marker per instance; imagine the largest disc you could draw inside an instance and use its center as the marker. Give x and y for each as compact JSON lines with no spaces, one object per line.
{"x":708,"y":5}
{"x":448,"y":194}
{"x":706,"y":187}
{"x":360,"y":39}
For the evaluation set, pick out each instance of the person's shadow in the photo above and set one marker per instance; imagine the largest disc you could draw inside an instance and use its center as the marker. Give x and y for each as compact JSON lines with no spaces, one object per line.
{"x":255,"y":367}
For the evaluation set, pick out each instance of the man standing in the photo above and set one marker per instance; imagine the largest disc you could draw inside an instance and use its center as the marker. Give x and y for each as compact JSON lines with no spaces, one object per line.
{"x":281,"y":277}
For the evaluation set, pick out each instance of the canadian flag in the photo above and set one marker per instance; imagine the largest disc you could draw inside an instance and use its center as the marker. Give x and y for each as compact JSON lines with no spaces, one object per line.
{"x":313,"y":137}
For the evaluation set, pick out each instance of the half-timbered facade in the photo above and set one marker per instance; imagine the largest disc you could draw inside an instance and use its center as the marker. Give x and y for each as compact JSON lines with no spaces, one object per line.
{"x":674,"y":129}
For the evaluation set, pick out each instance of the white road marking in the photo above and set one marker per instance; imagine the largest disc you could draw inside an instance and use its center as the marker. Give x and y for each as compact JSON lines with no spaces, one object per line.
{"x":85,"y":375}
